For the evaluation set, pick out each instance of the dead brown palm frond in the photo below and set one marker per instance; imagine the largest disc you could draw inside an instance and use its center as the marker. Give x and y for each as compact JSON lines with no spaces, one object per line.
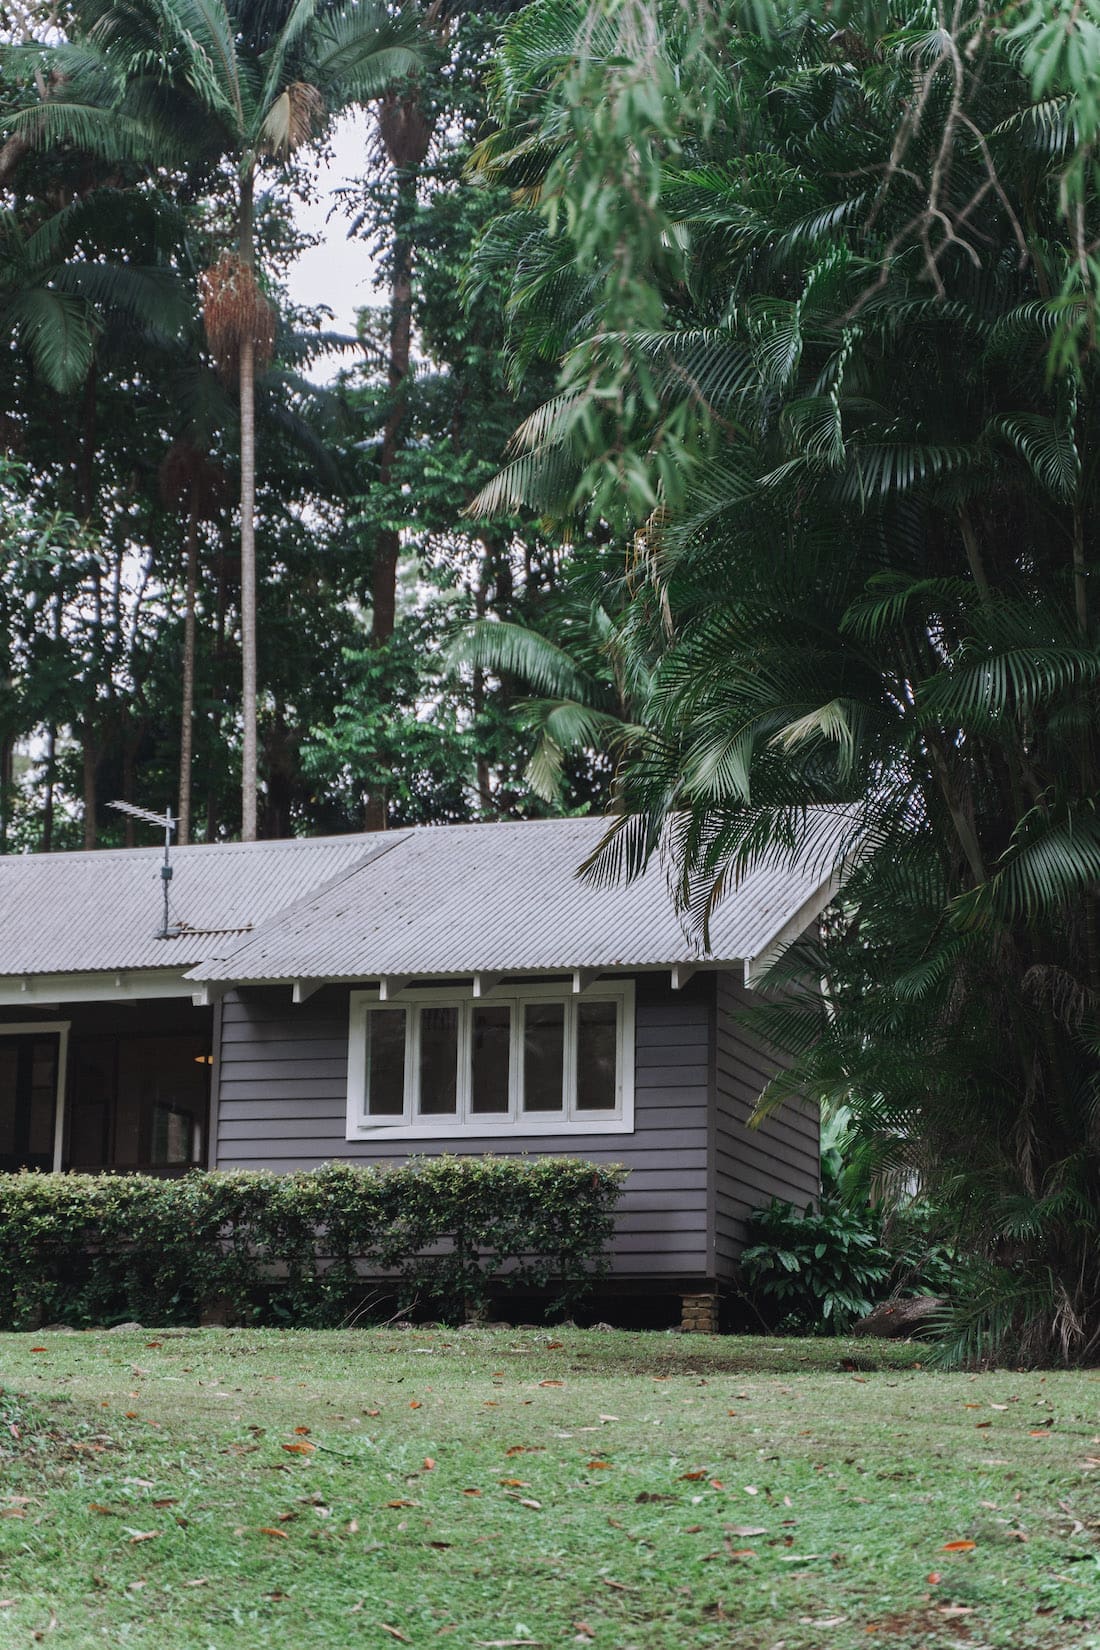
{"x":294,"y":118}
{"x":405,"y":130}
{"x":233,"y":308}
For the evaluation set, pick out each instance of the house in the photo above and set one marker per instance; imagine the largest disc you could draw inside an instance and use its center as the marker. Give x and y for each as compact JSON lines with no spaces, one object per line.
{"x":447,"y":988}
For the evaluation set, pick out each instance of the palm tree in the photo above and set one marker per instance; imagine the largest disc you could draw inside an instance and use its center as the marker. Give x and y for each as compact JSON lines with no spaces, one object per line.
{"x":817,"y":366}
{"x":231,"y":85}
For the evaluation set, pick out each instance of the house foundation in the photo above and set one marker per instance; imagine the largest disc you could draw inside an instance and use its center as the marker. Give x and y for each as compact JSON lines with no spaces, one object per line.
{"x":699,"y":1314}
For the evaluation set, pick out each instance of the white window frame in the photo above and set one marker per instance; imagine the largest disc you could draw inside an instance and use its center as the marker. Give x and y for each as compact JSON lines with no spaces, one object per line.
{"x":515,"y":1123}
{"x":49,"y":1028}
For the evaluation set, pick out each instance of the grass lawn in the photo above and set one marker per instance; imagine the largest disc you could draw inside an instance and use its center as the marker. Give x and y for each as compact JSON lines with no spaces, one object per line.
{"x":228,"y":1490}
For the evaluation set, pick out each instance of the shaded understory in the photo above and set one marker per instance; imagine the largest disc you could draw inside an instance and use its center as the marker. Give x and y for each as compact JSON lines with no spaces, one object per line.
{"x":227,"y":1490}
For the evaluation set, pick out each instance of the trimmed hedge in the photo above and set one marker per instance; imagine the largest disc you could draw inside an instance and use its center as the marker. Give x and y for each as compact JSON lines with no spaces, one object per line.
{"x":443,"y":1232}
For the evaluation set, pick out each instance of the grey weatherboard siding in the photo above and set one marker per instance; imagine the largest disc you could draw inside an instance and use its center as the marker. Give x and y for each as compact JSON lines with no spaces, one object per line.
{"x":695,"y":1170}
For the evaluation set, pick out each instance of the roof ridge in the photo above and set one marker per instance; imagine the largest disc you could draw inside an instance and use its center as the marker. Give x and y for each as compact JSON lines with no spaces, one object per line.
{"x":299,"y":843}
{"x":390,"y":840}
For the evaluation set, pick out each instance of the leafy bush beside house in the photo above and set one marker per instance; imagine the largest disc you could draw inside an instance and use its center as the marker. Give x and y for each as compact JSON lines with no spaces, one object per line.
{"x":821,"y":1269}
{"x":446,"y":1232}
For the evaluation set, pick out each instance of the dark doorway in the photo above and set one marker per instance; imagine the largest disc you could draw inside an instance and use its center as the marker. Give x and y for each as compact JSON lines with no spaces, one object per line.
{"x":28,"y":1100}
{"x":139,"y":1102}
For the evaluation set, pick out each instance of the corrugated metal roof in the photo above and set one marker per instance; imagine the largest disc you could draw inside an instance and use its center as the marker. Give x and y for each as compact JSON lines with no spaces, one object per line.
{"x":75,"y":913}
{"x":505,"y":898}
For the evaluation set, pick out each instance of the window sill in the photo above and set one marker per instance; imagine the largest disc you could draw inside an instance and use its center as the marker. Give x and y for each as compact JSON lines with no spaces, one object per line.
{"x":489,"y":1131}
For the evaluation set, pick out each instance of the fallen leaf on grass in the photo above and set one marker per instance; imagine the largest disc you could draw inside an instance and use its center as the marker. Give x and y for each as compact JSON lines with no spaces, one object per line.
{"x":692,"y":1477}
{"x":40,"y":1349}
{"x":13,"y":1512}
{"x":471,"y":1492}
{"x":199,"y":1581}
{"x":300,"y":1449}
{"x":499,"y":1644}
{"x":933,"y":1578}
{"x":429,"y":1464}
{"x":646,"y":1496}
{"x":524,"y":1449}
{"x":551,"y":1383}
{"x":141,"y":1535}
{"x":302,"y":1432}
{"x":955,"y":1609}
{"x":266,"y":1529}
{"x":822,"y":1621}
{"x":408,"y":1503}
{"x":958,"y":1546}
{"x":617,"y":1586}
{"x":599,"y":1466}
{"x":609,"y":1417}
{"x":514,"y":1483}
{"x":394,"y":1632}
{"x":744,"y":1530}
{"x":415,"y":1403}
{"x":166,"y":1501}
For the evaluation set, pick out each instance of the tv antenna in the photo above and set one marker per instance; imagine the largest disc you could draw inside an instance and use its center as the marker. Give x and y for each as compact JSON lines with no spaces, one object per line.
{"x":167,"y":825}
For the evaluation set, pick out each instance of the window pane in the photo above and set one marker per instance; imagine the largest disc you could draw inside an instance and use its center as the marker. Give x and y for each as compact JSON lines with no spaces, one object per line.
{"x":597,"y":1042}
{"x":386,"y":1062}
{"x":543,"y":1050}
{"x":492,"y":1036}
{"x":9,"y":1083}
{"x":438,"y":1062}
{"x":172,"y":1136}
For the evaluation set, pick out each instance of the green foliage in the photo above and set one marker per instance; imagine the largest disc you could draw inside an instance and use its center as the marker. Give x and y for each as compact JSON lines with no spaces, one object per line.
{"x":835,"y":373}
{"x":819,"y":1270}
{"x":306,"y":1248}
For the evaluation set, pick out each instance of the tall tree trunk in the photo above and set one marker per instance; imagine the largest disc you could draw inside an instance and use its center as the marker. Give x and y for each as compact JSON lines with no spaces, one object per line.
{"x":406,"y":133}
{"x":213,"y":818}
{"x":248,"y":539}
{"x":89,"y":757}
{"x":187,"y":710}
{"x":7,"y":787}
{"x":46,"y":845}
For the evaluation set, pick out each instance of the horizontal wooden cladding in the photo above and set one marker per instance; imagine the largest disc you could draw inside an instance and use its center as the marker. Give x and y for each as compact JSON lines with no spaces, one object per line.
{"x":779,"y":1158}
{"x":328,"y":1138}
{"x":282,"y":1101}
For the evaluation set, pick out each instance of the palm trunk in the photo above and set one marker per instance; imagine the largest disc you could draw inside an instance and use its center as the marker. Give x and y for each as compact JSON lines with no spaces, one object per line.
{"x":248,"y":540}
{"x":89,"y":762}
{"x":46,"y":845}
{"x":187,"y":712}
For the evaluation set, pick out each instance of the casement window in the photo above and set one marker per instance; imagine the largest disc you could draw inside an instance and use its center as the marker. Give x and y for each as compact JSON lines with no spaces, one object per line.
{"x":536,"y":1060}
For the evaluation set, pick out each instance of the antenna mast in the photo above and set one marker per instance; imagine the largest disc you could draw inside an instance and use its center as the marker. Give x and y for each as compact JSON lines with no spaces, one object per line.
{"x":168,"y":825}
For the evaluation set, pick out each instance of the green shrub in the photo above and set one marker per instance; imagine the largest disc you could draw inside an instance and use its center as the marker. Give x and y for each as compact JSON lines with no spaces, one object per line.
{"x":816,"y":1271}
{"x":819,"y":1270}
{"x":443,"y":1232}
